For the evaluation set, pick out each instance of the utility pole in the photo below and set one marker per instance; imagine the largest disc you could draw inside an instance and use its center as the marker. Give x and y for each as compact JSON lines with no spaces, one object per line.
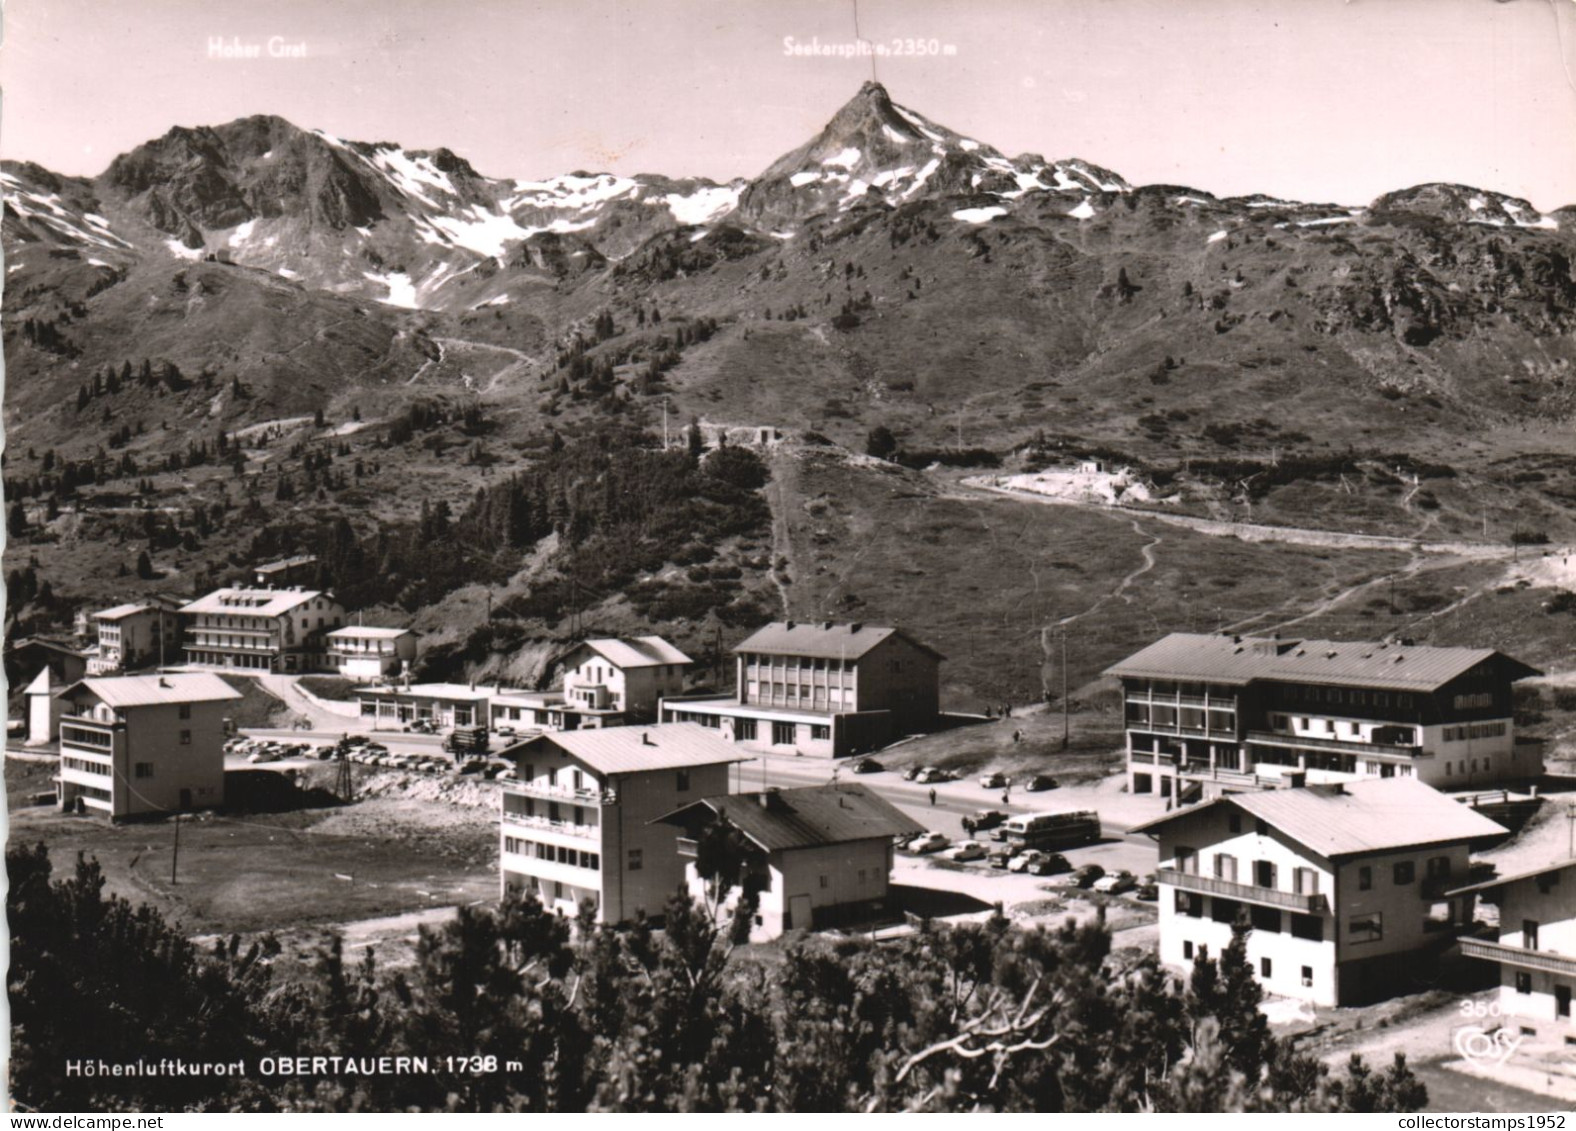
{"x":176,"y":855}
{"x":1066,"y":721}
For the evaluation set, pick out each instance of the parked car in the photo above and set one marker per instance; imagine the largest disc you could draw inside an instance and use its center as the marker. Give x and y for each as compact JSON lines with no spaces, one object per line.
{"x":323,"y":753}
{"x":1038,"y":782}
{"x":1050,"y":864}
{"x":259,"y":756}
{"x":1086,"y":876}
{"x":987,"y":819}
{"x":472,"y":766}
{"x":1001,"y":857}
{"x":965,"y":850}
{"x":993,"y":781}
{"x":375,"y":748}
{"x":1116,"y":883}
{"x":932,"y":774}
{"x":1148,"y":891}
{"x":1024,"y":860}
{"x":868,"y":766}
{"x":928,"y":842}
{"x":911,"y":773}
{"x":903,"y":840}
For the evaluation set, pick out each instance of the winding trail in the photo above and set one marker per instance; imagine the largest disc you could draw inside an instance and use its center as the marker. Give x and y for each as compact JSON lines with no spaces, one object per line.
{"x":520,"y":362}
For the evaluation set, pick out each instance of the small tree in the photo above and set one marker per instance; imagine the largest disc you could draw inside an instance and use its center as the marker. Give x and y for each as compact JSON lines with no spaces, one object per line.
{"x":880,"y":443}
{"x":144,"y":566}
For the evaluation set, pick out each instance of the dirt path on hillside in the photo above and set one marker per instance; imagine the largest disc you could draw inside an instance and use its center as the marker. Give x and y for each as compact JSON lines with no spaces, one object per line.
{"x":1258,"y":532}
{"x":521,"y":360}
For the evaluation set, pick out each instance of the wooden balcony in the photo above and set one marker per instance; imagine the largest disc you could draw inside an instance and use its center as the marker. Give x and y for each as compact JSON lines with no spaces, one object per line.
{"x":1377,"y":750}
{"x":1520,"y":957}
{"x":1314,"y":904}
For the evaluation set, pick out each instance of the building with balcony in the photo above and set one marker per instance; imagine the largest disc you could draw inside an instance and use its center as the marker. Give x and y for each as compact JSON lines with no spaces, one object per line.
{"x":281,"y":631}
{"x":444,"y":705}
{"x":144,"y":745}
{"x":607,"y":682}
{"x":1535,"y":949}
{"x":580,"y":820}
{"x":827,"y":689}
{"x":1212,"y":714}
{"x":134,"y":636}
{"x":366,"y":653}
{"x":1349,"y":888}
{"x":298,"y":571}
{"x":819,"y":856}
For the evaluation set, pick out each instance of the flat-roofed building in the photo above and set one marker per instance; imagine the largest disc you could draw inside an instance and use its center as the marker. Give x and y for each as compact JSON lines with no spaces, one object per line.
{"x":445,"y":705}
{"x":281,"y":631}
{"x":144,"y":745}
{"x":365,"y":652}
{"x":1206,"y":714}
{"x":1348,"y":887}
{"x":827,"y":689}
{"x":579,"y":822}
{"x":820,"y":856}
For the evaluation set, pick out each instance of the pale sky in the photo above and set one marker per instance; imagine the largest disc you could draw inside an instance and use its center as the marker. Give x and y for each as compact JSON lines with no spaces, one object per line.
{"x":1336,"y":100}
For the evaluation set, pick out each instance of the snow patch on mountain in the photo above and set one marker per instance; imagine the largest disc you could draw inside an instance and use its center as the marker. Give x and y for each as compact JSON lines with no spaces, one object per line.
{"x":704,"y":204}
{"x":1084,"y":211}
{"x":401,"y":291}
{"x":979,"y":215}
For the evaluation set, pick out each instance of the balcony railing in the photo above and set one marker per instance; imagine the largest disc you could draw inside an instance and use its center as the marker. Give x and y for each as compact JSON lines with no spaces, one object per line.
{"x":1434,"y":887}
{"x":582,"y":796}
{"x":1363,"y":749}
{"x":1314,"y":904}
{"x":687,"y":848}
{"x":537,"y":821}
{"x":1544,"y":960}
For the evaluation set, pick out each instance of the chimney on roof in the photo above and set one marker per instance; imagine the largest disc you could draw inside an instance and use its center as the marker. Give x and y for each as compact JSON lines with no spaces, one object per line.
{"x":826,"y":624}
{"x":768,"y":798}
{"x":1236,"y":639}
{"x":855,"y":627}
{"x":1329,"y":789}
{"x":163,"y":682}
{"x":645,"y":739}
{"x":788,"y":624}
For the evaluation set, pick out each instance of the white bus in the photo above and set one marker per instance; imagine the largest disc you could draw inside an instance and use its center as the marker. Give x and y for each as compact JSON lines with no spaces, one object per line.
{"x":1051,"y":830}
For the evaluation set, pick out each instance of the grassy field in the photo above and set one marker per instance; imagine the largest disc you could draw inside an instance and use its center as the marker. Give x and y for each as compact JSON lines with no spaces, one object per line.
{"x":277,"y":871}
{"x":992,"y":581}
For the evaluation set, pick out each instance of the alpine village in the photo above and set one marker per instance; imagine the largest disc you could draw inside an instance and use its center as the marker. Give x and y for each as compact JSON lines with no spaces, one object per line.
{"x":918,"y":629}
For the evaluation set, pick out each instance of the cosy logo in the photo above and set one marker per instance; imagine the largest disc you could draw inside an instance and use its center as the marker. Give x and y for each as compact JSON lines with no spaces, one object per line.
{"x":1478,"y":1046}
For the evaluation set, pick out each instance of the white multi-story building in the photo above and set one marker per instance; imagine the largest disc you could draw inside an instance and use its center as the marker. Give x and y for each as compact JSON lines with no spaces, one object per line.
{"x":144,"y":745}
{"x":1536,"y":949}
{"x":134,"y":636}
{"x":1349,"y":888}
{"x":366,"y":653}
{"x":264,"y":630}
{"x":827,"y":689}
{"x":607,"y":682}
{"x":580,"y":822}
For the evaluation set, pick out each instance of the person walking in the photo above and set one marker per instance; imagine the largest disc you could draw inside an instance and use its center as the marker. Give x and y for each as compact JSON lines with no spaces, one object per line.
{"x":932,"y":796}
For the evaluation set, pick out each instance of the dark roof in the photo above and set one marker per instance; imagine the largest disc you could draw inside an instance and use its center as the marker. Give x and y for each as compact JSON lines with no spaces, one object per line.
{"x":1365,"y":816}
{"x":805,"y":818}
{"x":824,"y":640}
{"x":1242,"y":659}
{"x":1514,"y":877}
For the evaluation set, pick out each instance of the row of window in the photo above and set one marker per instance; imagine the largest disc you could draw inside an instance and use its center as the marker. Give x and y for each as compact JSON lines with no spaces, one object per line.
{"x":1266,"y":965}
{"x":1476,"y":730}
{"x":1461,"y":767}
{"x":83,"y":766}
{"x":1349,"y":696}
{"x":798,"y":663}
{"x":747,"y":730}
{"x":552,"y":853}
